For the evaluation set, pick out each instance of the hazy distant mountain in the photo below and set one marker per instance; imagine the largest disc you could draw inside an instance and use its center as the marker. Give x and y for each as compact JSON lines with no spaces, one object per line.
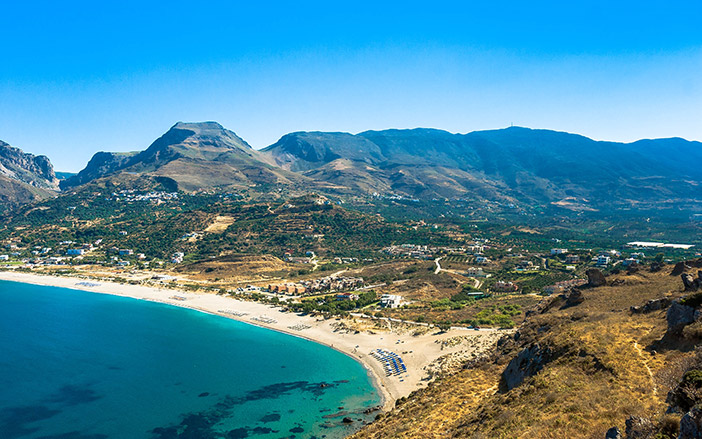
{"x":193,"y":156}
{"x":24,"y":177}
{"x":517,"y":164}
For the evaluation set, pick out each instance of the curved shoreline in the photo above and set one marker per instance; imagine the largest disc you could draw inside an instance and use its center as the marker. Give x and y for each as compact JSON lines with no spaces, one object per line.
{"x":385,"y":397}
{"x":417,"y":351}
{"x":387,"y":400}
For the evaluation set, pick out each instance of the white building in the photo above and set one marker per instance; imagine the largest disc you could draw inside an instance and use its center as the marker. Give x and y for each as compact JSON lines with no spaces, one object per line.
{"x":603,"y":260}
{"x":4,"y":258}
{"x":390,"y":301}
{"x":75,"y":251}
{"x":475,"y":272}
{"x":559,"y":251}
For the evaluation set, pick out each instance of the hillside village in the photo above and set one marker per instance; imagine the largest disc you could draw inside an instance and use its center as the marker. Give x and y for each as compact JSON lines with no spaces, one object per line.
{"x":466,"y":278}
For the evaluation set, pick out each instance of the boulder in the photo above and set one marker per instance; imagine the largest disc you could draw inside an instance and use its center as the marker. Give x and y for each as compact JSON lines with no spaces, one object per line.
{"x":595,"y":278}
{"x":527,"y":363}
{"x":679,"y":268}
{"x":679,"y":316}
{"x":655,"y":267}
{"x":574,"y":298}
{"x":689,"y":282}
{"x":691,"y":424}
{"x":639,"y":428}
{"x":651,"y":305}
{"x":613,"y":433}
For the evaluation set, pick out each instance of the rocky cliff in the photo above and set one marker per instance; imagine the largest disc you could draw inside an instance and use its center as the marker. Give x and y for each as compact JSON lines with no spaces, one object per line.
{"x":24,"y":177}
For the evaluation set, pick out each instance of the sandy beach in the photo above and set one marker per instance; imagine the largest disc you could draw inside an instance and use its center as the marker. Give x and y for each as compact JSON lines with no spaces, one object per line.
{"x":420,"y":353}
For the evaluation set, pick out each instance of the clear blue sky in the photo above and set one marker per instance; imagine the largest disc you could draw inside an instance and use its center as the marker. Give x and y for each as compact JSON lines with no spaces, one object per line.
{"x":78,"y":77}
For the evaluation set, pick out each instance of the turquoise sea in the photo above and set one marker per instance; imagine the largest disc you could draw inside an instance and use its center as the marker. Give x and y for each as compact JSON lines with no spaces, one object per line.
{"x":81,"y":365}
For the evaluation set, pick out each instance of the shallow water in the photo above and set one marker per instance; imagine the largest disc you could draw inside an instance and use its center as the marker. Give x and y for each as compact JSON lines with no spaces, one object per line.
{"x":75,"y":364}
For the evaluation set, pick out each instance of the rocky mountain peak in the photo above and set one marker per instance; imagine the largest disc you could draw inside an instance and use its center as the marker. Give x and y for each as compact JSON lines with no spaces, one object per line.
{"x":33,"y":170}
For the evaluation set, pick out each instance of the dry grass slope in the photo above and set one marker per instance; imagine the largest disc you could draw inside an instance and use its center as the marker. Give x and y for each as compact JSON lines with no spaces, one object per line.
{"x":603,"y":368}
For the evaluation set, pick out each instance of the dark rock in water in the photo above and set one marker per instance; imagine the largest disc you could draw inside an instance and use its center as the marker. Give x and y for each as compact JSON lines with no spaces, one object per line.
{"x":323,"y":385}
{"x":639,"y":428}
{"x":527,"y":363}
{"x":679,"y":316}
{"x":370,"y":410}
{"x":297,"y":429}
{"x":595,"y":278}
{"x":613,"y":433}
{"x":239,"y":433}
{"x":271,"y":417}
{"x":691,"y":424}
{"x":679,"y":268}
{"x":203,"y":394}
{"x":347,"y":420}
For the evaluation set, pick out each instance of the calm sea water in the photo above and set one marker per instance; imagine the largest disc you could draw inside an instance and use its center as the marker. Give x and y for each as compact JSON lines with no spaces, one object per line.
{"x":81,"y":365}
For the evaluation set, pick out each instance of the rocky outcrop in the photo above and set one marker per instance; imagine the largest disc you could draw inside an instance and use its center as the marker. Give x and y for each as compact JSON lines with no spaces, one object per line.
{"x":690,"y":282}
{"x":656,"y":266}
{"x":691,"y":424}
{"x":679,"y":316}
{"x":679,"y":268}
{"x":639,"y":428}
{"x":651,"y":305}
{"x":613,"y":433}
{"x":575,"y":297}
{"x":595,"y":278}
{"x":527,"y":363}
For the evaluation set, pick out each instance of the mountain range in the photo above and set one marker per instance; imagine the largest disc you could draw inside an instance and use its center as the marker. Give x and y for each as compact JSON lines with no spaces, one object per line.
{"x":513,"y":165}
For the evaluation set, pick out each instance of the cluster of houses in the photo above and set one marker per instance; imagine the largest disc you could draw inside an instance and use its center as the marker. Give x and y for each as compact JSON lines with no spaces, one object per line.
{"x":602,"y":260}
{"x":315,"y":286}
{"x":133,"y":195}
{"x":525,"y":265}
{"x":419,"y":251}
